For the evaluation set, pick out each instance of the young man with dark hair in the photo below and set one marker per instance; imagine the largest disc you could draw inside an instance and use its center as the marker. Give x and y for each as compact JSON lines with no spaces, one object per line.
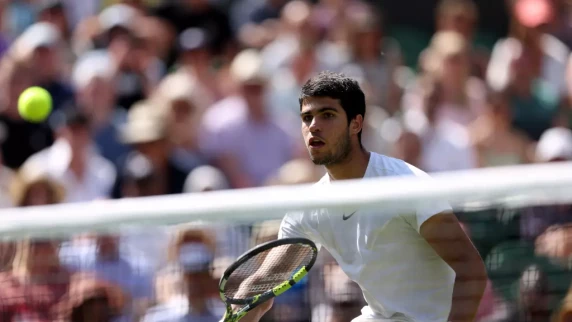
{"x":410,"y":267}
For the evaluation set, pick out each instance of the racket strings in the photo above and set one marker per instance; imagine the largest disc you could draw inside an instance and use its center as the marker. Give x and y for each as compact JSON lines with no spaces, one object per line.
{"x":286,"y":260}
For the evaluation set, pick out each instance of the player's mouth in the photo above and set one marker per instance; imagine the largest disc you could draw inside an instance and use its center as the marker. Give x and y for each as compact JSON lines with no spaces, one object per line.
{"x":315,"y":143}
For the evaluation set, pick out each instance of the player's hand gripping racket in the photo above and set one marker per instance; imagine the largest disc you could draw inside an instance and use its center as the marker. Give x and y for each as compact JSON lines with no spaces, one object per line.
{"x":263,"y":273}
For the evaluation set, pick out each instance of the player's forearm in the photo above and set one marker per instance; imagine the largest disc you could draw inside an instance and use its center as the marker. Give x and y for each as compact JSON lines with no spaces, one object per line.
{"x":470,"y":284}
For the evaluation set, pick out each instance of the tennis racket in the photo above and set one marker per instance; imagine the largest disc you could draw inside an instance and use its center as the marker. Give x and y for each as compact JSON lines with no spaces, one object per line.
{"x":263,"y":273}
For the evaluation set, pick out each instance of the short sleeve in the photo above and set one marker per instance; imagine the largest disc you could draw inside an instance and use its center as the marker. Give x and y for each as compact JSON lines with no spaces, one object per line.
{"x":426,"y":210}
{"x":293,"y":226}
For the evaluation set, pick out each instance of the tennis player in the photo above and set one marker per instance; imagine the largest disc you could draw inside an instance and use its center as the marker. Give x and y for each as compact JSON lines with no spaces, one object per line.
{"x":410,"y":267}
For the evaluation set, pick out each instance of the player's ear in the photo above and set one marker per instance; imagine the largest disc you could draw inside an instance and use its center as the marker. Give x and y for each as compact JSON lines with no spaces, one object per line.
{"x":356,"y":124}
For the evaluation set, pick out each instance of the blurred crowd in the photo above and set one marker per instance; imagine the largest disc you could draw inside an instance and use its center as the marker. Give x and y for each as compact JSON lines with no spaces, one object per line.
{"x":166,"y":97}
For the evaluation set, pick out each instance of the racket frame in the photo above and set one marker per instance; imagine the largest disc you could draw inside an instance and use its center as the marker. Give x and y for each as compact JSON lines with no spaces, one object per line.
{"x":252,"y":302}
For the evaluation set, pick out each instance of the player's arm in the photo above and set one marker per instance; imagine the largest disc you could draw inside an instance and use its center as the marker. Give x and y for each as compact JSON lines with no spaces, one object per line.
{"x":446,"y":236}
{"x":290,"y":227}
{"x":269,"y":266}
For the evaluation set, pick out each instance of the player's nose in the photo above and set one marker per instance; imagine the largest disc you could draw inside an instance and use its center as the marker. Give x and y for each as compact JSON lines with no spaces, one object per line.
{"x":314,"y":126}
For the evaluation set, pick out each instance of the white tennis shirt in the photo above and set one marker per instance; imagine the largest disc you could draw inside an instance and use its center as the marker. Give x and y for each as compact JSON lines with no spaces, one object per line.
{"x":401,"y":276}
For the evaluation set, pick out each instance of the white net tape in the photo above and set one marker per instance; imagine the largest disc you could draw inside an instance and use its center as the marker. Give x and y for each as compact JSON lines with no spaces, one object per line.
{"x":504,"y":186}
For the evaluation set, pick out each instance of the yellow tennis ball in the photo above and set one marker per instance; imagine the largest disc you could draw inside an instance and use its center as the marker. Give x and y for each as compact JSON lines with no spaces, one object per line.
{"x":35,"y":104}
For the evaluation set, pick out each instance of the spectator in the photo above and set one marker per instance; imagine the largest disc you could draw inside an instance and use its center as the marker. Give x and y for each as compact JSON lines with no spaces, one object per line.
{"x":534,"y":102}
{"x":137,"y":71}
{"x":54,"y":12}
{"x":534,"y":299}
{"x":547,"y":56}
{"x":232,"y":126}
{"x":496,"y":142}
{"x":408,"y":148}
{"x":6,"y":177}
{"x":462,"y":16}
{"x":294,"y":56}
{"x":555,"y":145}
{"x":33,"y":186}
{"x":376,"y":55}
{"x":462,"y":97}
{"x":73,"y":160}
{"x":193,"y":250}
{"x":22,"y":139}
{"x":93,"y":79}
{"x":139,"y":177}
{"x":206,"y":178}
{"x":34,"y":284}
{"x":231,"y":238}
{"x":199,"y":14}
{"x":41,"y":47}
{"x":269,"y":9}
{"x":89,"y":300}
{"x":184,"y":102}
{"x":196,"y":59}
{"x":440,"y":137}
{"x":29,"y":187}
{"x":146,"y":132}
{"x":104,"y":257}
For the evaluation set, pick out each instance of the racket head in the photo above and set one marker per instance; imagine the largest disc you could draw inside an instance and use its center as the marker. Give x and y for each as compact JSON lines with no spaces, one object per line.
{"x":298,"y":255}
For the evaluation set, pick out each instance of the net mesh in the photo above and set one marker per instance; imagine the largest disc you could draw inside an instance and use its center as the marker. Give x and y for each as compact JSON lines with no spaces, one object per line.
{"x":160,"y":259}
{"x":285,"y":259}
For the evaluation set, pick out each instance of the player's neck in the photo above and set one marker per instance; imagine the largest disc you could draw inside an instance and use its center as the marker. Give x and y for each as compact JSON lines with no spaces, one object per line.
{"x":353,"y":167}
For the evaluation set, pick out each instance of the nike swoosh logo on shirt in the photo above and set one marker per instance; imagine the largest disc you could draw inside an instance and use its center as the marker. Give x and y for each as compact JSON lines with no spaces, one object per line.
{"x":344,"y":217}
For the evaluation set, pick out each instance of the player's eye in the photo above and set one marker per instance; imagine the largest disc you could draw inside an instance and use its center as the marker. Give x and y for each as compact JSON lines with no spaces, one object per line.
{"x":307,"y":118}
{"x":328,"y":115}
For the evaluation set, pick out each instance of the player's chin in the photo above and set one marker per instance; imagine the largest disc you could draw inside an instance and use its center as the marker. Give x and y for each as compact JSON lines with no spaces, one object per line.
{"x":318,"y":158}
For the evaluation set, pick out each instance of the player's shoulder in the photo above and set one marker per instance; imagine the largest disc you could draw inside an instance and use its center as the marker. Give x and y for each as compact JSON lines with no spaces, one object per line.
{"x":384,"y":166}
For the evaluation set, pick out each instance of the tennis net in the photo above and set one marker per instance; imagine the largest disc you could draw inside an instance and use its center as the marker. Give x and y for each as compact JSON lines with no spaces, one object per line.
{"x":159,"y":258}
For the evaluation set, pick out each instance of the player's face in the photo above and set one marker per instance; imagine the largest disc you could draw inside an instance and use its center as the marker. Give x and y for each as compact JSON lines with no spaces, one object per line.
{"x":325,"y":130}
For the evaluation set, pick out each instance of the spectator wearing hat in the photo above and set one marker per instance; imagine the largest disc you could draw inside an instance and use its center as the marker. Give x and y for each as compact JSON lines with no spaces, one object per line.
{"x":139,"y":178}
{"x":184,"y":101}
{"x":89,"y":300}
{"x":108,"y":258}
{"x":241,"y":134}
{"x":41,"y":47}
{"x":146,"y":132}
{"x":73,"y":159}
{"x":92,"y":77}
{"x":137,"y":70}
{"x":30,"y":186}
{"x":195,"y":58}
{"x":193,"y":250}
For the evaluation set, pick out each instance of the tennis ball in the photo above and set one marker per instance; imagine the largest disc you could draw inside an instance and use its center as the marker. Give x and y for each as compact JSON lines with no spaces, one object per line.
{"x":35,"y":104}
